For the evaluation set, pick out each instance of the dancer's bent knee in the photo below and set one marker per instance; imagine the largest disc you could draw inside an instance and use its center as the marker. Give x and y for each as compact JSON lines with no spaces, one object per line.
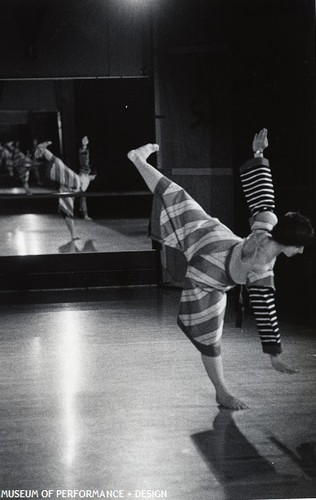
{"x":211,"y":351}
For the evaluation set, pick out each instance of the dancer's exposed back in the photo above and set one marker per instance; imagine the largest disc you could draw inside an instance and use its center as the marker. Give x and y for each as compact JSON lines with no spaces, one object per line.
{"x":217,"y":259}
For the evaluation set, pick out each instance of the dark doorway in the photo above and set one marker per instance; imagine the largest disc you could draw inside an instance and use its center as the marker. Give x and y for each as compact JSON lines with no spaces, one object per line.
{"x":117,"y":115}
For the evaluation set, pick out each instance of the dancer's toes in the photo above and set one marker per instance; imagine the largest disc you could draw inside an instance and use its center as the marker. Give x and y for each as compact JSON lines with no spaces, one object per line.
{"x":142,"y":153}
{"x":228,"y":401}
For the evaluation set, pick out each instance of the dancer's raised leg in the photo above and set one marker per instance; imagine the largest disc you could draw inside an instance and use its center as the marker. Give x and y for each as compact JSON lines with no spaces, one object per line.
{"x":149,"y":173}
{"x":42,"y":150}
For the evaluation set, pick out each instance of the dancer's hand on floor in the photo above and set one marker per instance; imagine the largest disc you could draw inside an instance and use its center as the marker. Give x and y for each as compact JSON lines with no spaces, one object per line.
{"x":279,"y":366}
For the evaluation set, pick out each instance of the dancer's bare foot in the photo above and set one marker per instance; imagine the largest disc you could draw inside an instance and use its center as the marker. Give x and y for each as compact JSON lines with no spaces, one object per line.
{"x":140,"y":155}
{"x":226,"y":400}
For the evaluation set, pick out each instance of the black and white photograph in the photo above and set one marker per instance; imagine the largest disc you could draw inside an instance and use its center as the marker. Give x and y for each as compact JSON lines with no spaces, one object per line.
{"x":157,"y":249}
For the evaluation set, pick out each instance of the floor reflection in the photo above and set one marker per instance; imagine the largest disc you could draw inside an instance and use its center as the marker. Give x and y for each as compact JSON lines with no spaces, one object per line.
{"x":75,"y":246}
{"x":43,"y":234}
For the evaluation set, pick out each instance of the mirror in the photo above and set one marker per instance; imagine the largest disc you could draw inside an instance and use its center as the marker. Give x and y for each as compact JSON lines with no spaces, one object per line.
{"x":115,"y":115}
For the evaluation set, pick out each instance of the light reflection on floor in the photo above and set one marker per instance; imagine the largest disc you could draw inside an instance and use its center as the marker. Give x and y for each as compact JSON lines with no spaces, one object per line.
{"x":36,"y":234}
{"x":92,"y":400}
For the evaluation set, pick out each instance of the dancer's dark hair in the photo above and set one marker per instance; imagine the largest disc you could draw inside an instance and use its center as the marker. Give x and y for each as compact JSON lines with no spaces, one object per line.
{"x":293,"y":229}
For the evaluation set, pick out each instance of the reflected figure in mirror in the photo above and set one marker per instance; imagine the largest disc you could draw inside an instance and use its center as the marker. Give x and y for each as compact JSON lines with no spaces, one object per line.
{"x":6,"y":158}
{"x":85,"y":173}
{"x":17,"y":163}
{"x":67,"y":181}
{"x":21,"y":165}
{"x":36,"y":164}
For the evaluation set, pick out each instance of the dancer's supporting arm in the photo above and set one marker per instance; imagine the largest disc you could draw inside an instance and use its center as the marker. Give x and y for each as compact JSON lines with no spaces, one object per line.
{"x":258,"y":187}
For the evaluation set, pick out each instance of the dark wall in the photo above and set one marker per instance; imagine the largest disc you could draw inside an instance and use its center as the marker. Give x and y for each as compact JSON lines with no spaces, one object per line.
{"x":28,"y":110}
{"x":273,"y":55}
{"x":117,"y":115}
{"x":192,"y":76}
{"x":273,"y":86}
{"x":73,"y":38}
{"x":243,"y":66}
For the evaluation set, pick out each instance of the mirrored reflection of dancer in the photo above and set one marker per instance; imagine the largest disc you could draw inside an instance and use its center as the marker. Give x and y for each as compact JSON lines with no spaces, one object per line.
{"x":84,"y":170}
{"x":7,"y":154}
{"x":22,"y":165}
{"x":17,"y":163}
{"x":36,"y":164}
{"x":4,"y":155}
{"x":66,"y":179}
{"x":217,"y":259}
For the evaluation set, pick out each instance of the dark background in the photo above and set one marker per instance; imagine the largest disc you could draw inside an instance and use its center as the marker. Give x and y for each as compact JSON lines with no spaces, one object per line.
{"x":117,"y":116}
{"x":228,"y":67}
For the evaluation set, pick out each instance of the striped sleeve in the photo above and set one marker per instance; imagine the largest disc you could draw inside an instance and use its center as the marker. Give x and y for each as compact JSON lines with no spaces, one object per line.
{"x":262,"y":301}
{"x":257,"y":184}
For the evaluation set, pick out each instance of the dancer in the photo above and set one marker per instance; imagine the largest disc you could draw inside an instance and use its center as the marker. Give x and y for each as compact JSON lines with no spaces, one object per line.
{"x":84,"y":169}
{"x":67,"y":180}
{"x":217,"y":259}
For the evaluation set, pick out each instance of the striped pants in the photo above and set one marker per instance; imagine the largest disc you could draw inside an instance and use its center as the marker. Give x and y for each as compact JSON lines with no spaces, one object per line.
{"x":179,"y":222}
{"x":68,"y":181}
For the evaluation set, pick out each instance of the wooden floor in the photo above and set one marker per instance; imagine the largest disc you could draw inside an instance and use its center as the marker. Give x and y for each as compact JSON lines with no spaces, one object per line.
{"x":110,"y":395}
{"x":43,"y":234}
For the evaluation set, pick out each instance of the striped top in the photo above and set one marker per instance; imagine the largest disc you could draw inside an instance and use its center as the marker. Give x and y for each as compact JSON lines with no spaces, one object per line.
{"x":216,"y":257}
{"x":179,"y":222}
